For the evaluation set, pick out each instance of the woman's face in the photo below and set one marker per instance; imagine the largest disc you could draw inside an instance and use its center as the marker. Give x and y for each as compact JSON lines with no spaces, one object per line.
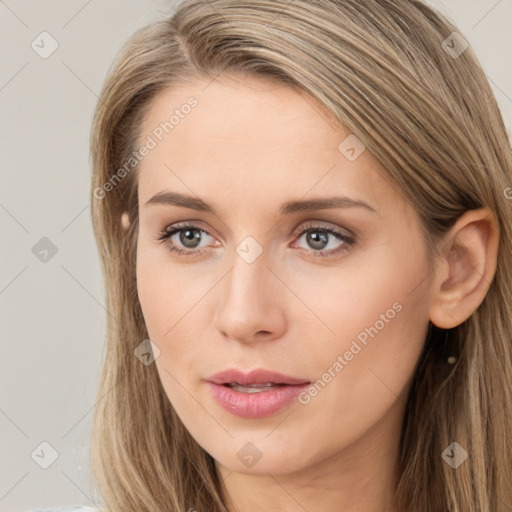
{"x":334,"y":295}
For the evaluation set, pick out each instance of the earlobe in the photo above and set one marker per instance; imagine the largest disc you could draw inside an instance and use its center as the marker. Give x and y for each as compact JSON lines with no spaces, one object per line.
{"x":466,"y":268}
{"x":125,"y":221}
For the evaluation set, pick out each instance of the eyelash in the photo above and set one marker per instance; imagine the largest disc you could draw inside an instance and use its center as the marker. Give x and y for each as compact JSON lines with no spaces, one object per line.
{"x":182,"y":226}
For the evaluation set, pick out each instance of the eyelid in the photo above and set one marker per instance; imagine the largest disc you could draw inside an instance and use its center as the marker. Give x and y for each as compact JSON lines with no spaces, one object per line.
{"x":188,"y":224}
{"x":323,"y":224}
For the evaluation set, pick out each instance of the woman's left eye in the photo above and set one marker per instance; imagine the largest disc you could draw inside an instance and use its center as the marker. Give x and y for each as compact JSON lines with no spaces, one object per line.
{"x":318,"y":237}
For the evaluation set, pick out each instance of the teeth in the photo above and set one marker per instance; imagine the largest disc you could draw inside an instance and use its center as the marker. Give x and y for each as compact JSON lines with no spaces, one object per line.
{"x":244,"y":389}
{"x":252,"y":388}
{"x":267,"y":384}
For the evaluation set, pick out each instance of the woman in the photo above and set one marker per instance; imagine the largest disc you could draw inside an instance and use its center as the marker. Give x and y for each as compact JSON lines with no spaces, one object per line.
{"x":303,"y":215}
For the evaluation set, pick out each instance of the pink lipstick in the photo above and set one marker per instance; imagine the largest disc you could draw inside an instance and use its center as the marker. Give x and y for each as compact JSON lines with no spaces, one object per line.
{"x":256,"y":394}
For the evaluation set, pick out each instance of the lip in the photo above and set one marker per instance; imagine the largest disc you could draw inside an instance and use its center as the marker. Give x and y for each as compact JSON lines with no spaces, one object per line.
{"x":257,"y":376}
{"x":255,"y":405}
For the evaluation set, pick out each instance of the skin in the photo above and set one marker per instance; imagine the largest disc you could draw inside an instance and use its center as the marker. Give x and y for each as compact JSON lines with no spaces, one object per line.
{"x":249,"y":146}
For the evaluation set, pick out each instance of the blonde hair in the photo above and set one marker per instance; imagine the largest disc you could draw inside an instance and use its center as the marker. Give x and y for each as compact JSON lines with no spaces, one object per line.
{"x":385,"y":70}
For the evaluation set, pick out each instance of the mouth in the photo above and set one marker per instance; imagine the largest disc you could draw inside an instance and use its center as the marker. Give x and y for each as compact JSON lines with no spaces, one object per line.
{"x":256,"y":394}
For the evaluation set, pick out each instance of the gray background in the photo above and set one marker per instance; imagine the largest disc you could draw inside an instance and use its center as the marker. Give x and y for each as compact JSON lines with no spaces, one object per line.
{"x":52,"y":312}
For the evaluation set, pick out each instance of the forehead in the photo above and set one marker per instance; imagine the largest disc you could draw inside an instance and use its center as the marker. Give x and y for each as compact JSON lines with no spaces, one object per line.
{"x":251,"y":113}
{"x":253,"y":137}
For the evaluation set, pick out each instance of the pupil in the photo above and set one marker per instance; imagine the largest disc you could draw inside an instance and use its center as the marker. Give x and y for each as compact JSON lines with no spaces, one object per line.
{"x":187,"y":237}
{"x":317,"y":238}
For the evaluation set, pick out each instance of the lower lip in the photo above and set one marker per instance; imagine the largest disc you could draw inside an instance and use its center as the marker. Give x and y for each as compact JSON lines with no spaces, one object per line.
{"x":255,"y":405}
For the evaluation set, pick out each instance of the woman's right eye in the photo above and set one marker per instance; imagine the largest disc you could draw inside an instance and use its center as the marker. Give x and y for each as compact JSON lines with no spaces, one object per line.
{"x":186,"y":235}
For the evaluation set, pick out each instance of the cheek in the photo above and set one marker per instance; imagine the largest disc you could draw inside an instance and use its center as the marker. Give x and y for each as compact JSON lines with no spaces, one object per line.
{"x":166,"y":293}
{"x":381,"y":288}
{"x":152,"y":297}
{"x":172,"y":301}
{"x":164,"y":307}
{"x":377,"y":318}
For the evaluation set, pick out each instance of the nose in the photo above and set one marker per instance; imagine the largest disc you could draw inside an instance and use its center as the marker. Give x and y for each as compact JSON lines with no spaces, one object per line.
{"x":252,"y":302}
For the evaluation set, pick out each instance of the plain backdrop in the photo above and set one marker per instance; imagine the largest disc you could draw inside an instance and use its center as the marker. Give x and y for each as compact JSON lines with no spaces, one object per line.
{"x":51,"y":289}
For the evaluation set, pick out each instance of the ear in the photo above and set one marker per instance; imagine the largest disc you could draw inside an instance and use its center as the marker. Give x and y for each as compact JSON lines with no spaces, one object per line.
{"x":465,"y":269}
{"x":125,"y":221}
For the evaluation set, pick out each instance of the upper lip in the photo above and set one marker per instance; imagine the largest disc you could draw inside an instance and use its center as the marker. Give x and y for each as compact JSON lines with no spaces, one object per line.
{"x":257,"y":376}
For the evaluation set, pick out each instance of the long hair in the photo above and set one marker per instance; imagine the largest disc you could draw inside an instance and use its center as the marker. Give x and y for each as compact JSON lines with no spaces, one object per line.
{"x":399,"y":76}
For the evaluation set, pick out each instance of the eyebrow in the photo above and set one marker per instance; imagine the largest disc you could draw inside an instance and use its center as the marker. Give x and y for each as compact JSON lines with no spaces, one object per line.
{"x":195,"y":203}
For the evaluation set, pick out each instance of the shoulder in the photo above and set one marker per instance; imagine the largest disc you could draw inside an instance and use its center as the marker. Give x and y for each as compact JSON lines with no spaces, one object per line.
{"x":65,"y":509}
